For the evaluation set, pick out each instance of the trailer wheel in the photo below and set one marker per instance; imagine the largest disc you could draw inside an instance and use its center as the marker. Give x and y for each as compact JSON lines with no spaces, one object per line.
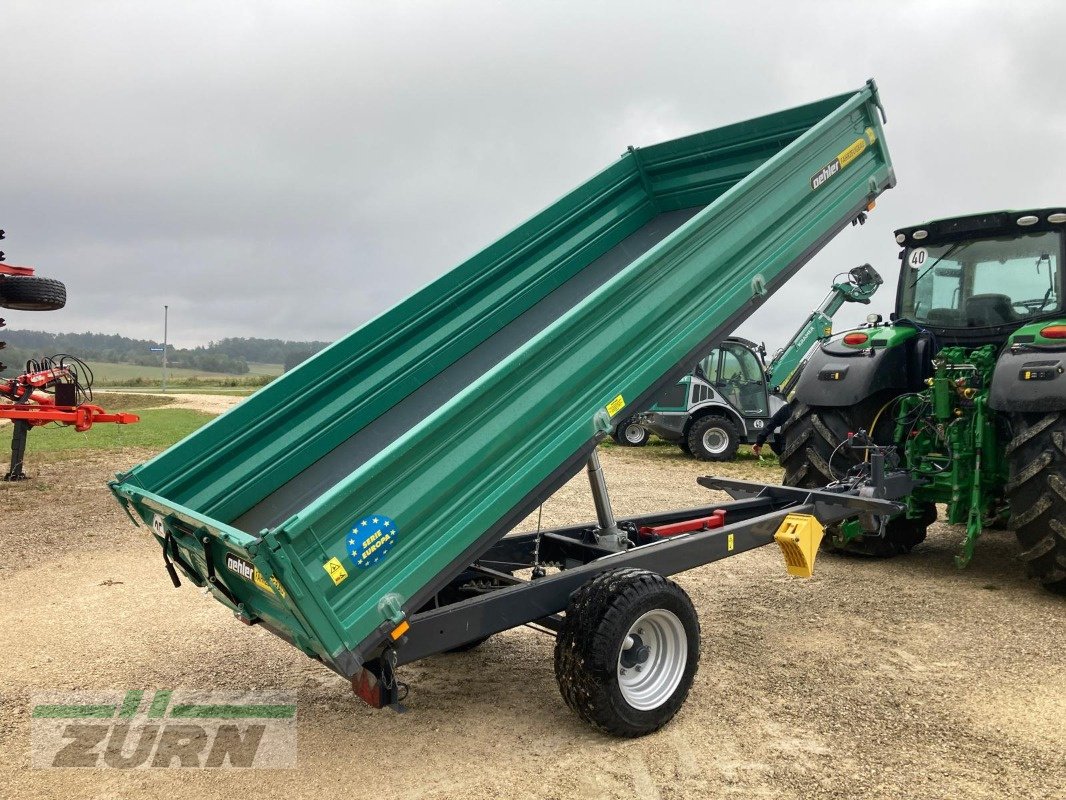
{"x":814,"y":455}
{"x":630,"y":434}
{"x":30,"y":293}
{"x":713,"y":438}
{"x":1037,"y":494}
{"x":628,"y":651}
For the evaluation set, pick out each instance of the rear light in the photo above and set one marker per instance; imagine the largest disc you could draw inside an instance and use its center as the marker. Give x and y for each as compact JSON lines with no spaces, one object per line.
{"x":919,"y":235}
{"x":855,"y":338}
{"x":1057,"y":218}
{"x":1054,"y":332}
{"x":1028,"y":220}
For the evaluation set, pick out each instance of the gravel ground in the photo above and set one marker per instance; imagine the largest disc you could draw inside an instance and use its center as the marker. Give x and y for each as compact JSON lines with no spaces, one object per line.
{"x":895,"y":679}
{"x":208,"y":403}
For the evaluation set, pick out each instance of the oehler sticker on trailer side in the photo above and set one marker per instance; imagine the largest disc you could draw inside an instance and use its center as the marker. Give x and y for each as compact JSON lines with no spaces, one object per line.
{"x":248,"y":571}
{"x":370,"y":540}
{"x":844,"y":157}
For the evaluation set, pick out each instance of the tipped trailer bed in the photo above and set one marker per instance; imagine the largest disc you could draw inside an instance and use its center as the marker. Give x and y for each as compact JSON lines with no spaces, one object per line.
{"x":358,"y":505}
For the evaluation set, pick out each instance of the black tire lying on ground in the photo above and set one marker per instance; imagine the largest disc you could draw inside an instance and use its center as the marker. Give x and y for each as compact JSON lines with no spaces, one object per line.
{"x":628,"y":651}
{"x":1037,"y":494}
{"x":30,"y":293}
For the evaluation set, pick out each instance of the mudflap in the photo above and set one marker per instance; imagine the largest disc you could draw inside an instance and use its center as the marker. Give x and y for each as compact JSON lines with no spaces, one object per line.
{"x":376,"y":685}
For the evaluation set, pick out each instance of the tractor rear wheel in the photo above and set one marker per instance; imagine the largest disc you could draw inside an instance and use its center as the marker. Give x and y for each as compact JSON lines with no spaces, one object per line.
{"x":815,"y":453}
{"x":1037,"y":494}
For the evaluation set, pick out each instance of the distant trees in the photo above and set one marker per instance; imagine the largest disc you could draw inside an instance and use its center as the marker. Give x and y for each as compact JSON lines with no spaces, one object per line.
{"x":230,"y":356}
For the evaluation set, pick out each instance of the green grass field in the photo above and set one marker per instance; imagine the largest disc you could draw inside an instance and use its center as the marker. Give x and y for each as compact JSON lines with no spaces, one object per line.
{"x":115,"y":374}
{"x":158,"y":429}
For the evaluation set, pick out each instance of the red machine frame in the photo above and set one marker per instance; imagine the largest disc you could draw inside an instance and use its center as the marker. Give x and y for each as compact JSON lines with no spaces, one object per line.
{"x":30,"y":405}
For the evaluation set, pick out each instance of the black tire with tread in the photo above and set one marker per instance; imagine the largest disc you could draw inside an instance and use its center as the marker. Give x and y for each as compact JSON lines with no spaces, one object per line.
{"x":1036,"y":490}
{"x":30,"y":293}
{"x":597,"y":620}
{"x":620,"y":438}
{"x":814,"y":455}
{"x":694,"y":438}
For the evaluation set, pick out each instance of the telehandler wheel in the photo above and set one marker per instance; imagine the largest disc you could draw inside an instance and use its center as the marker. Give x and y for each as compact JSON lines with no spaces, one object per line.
{"x":713,"y":438}
{"x":30,"y":293}
{"x":630,"y":434}
{"x":628,"y":651}
{"x":1037,"y":494}
{"x":815,"y":454}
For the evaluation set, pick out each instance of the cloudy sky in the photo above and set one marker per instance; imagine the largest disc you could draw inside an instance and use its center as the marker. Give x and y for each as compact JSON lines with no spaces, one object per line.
{"x":290,"y":169}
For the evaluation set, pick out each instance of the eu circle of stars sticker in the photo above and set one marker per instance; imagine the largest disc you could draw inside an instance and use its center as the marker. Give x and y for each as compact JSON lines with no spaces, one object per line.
{"x":370,"y":540}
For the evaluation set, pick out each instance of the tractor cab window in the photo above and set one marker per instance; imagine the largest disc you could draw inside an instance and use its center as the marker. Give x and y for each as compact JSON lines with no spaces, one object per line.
{"x":741,"y":381}
{"x":984,"y":282}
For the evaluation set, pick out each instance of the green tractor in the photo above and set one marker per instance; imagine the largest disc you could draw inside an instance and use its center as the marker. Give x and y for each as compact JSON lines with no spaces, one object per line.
{"x":965,"y":379}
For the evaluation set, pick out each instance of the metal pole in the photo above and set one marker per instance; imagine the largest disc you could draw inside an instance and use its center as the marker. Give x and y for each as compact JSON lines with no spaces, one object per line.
{"x":166,"y":311}
{"x":609,"y":534}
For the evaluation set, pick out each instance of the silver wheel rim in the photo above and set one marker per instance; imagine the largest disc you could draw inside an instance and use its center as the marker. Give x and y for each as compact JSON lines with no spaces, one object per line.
{"x":652,"y":659}
{"x":634,"y":434}
{"x":715,"y":440}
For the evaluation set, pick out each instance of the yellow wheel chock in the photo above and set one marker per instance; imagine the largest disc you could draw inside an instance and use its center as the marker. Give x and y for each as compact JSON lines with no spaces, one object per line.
{"x":799,"y":537}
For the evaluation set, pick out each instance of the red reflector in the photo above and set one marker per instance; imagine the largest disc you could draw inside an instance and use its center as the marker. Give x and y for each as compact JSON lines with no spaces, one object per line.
{"x":1054,"y":332}
{"x":368,"y":689}
{"x":855,"y":338}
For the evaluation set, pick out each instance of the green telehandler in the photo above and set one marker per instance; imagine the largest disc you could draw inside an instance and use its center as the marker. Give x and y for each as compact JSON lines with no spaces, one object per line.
{"x":732,"y":393}
{"x":965,"y":381}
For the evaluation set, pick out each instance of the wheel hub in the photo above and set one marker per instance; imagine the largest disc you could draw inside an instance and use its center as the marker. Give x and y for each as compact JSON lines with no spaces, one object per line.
{"x":652,"y":659}
{"x":715,"y":440}
{"x":634,"y":652}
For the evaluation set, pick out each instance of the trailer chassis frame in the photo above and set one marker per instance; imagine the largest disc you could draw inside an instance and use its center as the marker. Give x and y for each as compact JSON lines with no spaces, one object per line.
{"x":538,"y":601}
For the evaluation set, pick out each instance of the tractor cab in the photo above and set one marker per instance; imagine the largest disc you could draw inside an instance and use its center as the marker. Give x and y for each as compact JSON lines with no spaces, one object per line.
{"x":975,"y":280}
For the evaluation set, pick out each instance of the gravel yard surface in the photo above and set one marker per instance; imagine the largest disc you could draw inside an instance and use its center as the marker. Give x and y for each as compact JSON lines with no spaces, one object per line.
{"x":895,"y":679}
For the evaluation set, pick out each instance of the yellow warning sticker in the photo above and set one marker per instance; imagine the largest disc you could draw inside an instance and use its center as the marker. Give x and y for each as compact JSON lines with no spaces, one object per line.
{"x":336,"y":571}
{"x":729,"y":543}
{"x":616,"y":405}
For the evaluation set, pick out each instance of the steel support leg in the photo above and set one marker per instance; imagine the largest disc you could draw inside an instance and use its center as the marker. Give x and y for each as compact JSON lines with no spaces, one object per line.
{"x":18,"y":450}
{"x":608,"y":534}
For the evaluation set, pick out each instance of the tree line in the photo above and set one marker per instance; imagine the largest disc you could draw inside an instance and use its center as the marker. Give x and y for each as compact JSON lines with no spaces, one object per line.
{"x":230,"y":355}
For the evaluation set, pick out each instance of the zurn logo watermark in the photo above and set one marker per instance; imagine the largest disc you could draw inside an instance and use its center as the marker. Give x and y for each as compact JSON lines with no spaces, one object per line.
{"x":164,"y":729}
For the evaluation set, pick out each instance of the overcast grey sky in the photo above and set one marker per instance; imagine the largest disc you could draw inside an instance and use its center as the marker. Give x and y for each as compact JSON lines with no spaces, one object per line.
{"x":290,"y":169}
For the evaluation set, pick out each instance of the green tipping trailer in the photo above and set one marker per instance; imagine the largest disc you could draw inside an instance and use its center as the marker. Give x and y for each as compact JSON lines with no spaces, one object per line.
{"x":350,"y":495}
